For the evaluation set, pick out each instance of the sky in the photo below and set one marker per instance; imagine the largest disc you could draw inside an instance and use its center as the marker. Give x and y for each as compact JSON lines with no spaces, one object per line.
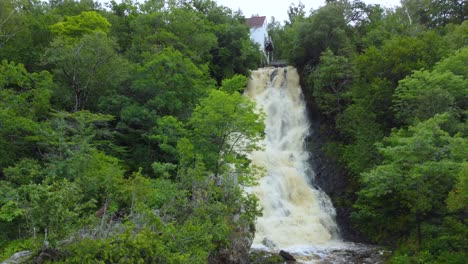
{"x":278,"y":8}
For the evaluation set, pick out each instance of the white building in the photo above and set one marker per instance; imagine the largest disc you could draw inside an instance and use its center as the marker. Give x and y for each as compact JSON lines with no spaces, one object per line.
{"x":259,"y":34}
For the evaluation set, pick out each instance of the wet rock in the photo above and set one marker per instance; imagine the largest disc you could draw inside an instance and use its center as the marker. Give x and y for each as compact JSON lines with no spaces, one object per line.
{"x":348,"y":253}
{"x":286,"y":256}
{"x":268,"y":243}
{"x":357,"y":254}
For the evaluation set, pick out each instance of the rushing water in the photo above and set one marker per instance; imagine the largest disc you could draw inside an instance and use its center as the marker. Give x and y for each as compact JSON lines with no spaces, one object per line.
{"x":296,"y":216}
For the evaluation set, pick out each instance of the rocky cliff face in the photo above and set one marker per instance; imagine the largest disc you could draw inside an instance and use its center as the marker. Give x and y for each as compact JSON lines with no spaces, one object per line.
{"x":334,"y":181}
{"x":330,"y":176}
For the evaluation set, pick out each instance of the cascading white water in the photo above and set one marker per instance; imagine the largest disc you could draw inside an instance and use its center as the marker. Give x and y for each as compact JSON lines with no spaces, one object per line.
{"x":295,"y":214}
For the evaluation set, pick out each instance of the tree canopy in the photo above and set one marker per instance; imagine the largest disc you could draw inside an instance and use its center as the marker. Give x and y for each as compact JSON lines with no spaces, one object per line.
{"x":107,"y":112}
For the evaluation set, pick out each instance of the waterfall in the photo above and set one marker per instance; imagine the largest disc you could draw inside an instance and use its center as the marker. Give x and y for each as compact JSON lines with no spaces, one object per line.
{"x":295,"y":214}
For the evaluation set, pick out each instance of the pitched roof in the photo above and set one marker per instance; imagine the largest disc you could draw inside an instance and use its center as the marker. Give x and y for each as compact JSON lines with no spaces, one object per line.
{"x":256,"y":22}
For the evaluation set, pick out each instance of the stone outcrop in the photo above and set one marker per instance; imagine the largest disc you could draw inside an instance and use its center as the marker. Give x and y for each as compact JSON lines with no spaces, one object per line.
{"x":19,"y":257}
{"x":239,"y":250}
{"x":286,"y":256}
{"x":330,"y":176}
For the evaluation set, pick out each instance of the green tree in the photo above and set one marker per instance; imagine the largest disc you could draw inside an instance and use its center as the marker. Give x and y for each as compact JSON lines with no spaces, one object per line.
{"x":436,"y":12}
{"x":458,"y":197}
{"x":235,"y":84}
{"x":8,"y":26}
{"x":411,"y":184}
{"x":167,"y":132}
{"x":425,"y":94}
{"x":225,"y":128}
{"x":72,"y":7}
{"x":214,"y":166}
{"x":456,"y":35}
{"x":75,"y":27}
{"x":456,"y":63}
{"x":399,"y":56}
{"x":235,"y":52}
{"x":195,"y":34}
{"x":295,"y":12}
{"x":165,"y":88}
{"x":121,"y":17}
{"x":363,"y":123}
{"x":324,"y":29}
{"x":24,"y":32}
{"x":85,"y":69}
{"x":330,"y":82}
{"x":24,"y":102}
{"x":170,"y":83}
{"x":361,"y":129}
{"x":62,"y":201}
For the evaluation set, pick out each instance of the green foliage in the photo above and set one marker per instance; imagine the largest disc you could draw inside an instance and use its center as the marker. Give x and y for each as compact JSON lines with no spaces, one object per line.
{"x":137,"y":159}
{"x":235,"y":52}
{"x":425,"y":94}
{"x":86,"y":69}
{"x":27,"y":93}
{"x":458,"y":197}
{"x":235,"y":84}
{"x":399,"y":56}
{"x":17,"y":246}
{"x":435,"y":13}
{"x":72,"y":147}
{"x":455,"y":37}
{"x":167,"y":132}
{"x":24,"y":100}
{"x":170,"y":83}
{"x":444,"y":243}
{"x":188,"y":243}
{"x":26,"y":171}
{"x":329,"y":82}
{"x":9,"y":209}
{"x":122,"y":14}
{"x":24,"y":31}
{"x":225,"y":127}
{"x":411,"y":185}
{"x":324,"y":29}
{"x":67,"y":133}
{"x":455,"y":63}
{"x":363,"y":130}
{"x":61,"y":201}
{"x":75,"y":27}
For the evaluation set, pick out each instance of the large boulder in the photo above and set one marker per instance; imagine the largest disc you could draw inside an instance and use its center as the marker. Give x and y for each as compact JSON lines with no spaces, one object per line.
{"x":19,"y":257}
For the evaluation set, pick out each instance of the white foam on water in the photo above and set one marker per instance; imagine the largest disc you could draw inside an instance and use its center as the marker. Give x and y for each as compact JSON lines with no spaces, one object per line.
{"x":296,"y":216}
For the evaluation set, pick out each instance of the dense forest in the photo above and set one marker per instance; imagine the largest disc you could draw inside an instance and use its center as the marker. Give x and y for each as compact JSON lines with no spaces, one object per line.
{"x":124,"y":132}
